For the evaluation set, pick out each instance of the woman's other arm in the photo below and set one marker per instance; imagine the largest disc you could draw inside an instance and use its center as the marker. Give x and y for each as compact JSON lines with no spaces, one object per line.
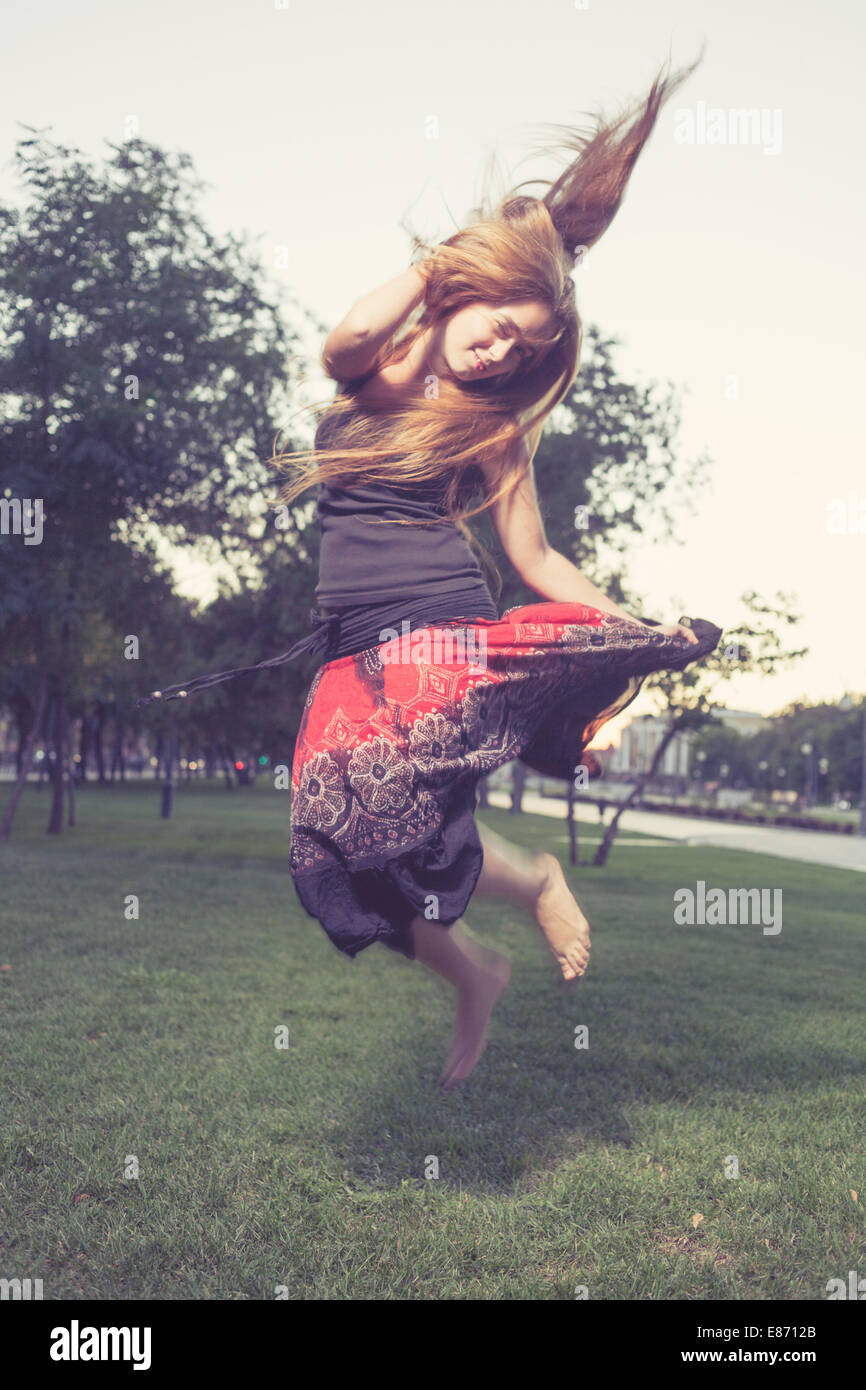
{"x":519,"y":525}
{"x":350,"y":349}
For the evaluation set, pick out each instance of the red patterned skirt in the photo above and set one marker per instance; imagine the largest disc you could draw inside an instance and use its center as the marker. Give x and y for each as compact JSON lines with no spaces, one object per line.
{"x":394,"y":739}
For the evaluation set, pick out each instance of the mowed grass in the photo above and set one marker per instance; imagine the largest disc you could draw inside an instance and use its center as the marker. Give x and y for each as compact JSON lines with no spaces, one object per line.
{"x":559,"y":1168}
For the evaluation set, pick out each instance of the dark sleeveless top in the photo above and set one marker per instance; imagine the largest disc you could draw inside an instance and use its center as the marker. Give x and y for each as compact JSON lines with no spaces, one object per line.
{"x":362,"y":559}
{"x":428,"y":572}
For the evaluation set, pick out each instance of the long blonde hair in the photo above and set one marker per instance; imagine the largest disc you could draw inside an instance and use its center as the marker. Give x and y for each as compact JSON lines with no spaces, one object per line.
{"x":526,"y":248}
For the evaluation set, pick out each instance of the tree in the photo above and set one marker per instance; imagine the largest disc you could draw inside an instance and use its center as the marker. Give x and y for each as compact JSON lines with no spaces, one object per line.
{"x":685,"y":696}
{"x":835,"y":733}
{"x":141,"y":370}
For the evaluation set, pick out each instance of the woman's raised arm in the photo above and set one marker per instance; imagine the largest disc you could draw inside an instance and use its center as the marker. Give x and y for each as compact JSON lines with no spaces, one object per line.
{"x":350,"y":349}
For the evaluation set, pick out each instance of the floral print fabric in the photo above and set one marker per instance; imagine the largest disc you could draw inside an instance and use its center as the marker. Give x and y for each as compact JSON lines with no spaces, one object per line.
{"x":390,"y":750}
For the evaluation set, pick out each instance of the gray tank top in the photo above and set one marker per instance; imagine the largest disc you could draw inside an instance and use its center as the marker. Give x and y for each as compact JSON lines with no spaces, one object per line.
{"x":362,"y":561}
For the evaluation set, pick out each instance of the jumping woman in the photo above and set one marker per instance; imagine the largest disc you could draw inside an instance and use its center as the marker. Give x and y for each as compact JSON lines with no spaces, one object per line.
{"x":445,"y":376}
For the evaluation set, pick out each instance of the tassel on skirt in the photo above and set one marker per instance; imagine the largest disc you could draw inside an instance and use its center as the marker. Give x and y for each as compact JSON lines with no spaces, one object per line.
{"x":393,"y":741}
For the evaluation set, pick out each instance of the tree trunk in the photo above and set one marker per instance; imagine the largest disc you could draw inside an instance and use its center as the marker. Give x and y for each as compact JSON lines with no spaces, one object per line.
{"x":84,"y":747}
{"x":76,"y":765}
{"x":168,"y":784}
{"x":55,"y":820}
{"x":483,"y":797}
{"x":97,"y":741}
{"x":224,"y":754}
{"x":118,"y":762}
{"x":518,"y":782}
{"x":20,"y":750}
{"x":636,"y":791}
{"x":26,"y":760}
{"x":70,"y":767}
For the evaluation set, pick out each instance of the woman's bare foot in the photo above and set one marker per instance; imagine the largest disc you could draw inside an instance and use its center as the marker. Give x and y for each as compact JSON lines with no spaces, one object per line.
{"x":477,"y":998}
{"x":565,"y":928}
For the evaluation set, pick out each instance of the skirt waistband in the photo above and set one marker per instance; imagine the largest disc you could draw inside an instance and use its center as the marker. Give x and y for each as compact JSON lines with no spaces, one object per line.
{"x":356,"y":629}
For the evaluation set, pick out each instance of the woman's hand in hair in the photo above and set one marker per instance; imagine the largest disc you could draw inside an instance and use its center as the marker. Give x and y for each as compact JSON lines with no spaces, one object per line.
{"x":424,"y":269}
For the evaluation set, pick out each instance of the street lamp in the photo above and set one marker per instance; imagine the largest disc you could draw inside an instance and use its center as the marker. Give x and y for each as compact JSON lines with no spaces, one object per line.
{"x":806,"y":749}
{"x":823,"y":769}
{"x":700,"y":759}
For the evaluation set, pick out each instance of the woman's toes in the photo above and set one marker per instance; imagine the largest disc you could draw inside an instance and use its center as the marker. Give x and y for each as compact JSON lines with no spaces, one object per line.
{"x":578,"y":962}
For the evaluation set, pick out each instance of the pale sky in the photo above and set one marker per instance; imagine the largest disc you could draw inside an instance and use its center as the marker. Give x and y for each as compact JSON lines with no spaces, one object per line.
{"x":733,"y":269}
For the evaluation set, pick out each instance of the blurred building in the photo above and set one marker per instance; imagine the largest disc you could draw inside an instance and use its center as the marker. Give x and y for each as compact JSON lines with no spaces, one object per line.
{"x":640,"y":739}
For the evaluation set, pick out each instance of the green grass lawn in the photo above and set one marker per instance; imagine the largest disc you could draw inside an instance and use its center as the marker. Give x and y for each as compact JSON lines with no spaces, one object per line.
{"x":305,"y":1167}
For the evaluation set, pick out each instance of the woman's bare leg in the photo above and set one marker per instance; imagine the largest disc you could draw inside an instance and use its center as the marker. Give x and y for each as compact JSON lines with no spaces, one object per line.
{"x":508,"y":871}
{"x":480,"y":977}
{"x":540,"y":885}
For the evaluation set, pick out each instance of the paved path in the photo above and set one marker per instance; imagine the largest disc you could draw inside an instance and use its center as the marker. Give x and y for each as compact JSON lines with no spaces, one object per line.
{"x":810,"y":846}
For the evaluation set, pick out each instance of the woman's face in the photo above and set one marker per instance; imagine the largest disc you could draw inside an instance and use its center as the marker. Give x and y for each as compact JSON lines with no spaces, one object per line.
{"x":483,"y":340}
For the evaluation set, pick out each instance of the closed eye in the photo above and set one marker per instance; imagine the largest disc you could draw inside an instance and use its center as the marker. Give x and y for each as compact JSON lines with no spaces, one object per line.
{"x":524,"y":351}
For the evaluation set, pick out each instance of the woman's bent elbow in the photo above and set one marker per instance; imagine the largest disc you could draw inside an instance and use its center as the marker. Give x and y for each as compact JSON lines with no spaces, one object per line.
{"x":346,"y":352}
